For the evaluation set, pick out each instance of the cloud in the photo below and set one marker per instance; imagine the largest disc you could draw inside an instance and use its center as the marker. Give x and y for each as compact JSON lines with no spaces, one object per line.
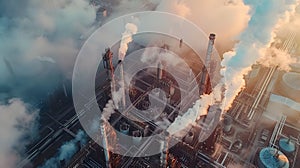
{"x":225,"y":18}
{"x":39,"y":41}
{"x":277,"y":57}
{"x":18,"y":122}
{"x":36,"y":36}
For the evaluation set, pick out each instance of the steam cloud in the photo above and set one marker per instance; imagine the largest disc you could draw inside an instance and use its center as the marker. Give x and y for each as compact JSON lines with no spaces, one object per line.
{"x":66,"y":151}
{"x":17,"y":122}
{"x":277,"y":57}
{"x":109,"y":108}
{"x":254,"y":41}
{"x":130,"y":29}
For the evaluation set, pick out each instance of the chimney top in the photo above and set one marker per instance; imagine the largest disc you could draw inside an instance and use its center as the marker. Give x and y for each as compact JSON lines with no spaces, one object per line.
{"x":212,"y":36}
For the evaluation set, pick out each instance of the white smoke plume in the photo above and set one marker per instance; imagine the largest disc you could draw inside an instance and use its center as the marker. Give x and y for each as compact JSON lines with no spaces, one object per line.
{"x":263,"y":20}
{"x":176,"y":6}
{"x":291,"y":26}
{"x":255,"y":39}
{"x":66,"y":151}
{"x":155,"y":55}
{"x":200,"y":108}
{"x":17,"y":121}
{"x":109,"y":108}
{"x":130,"y":30}
{"x":277,"y":57}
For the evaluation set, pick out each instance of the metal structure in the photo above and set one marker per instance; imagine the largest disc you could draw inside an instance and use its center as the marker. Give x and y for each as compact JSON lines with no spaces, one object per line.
{"x":206,"y":68}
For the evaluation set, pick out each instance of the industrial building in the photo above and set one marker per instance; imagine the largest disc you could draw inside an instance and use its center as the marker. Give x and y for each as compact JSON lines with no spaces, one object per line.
{"x":246,"y":136}
{"x":142,"y":91}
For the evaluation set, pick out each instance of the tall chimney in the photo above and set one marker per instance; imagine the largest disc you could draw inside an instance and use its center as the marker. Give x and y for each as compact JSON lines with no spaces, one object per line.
{"x":122,"y":86}
{"x":108,"y":65}
{"x":159,"y":71}
{"x":104,"y":143}
{"x":210,"y":48}
{"x":164,"y":150}
{"x":205,"y":76}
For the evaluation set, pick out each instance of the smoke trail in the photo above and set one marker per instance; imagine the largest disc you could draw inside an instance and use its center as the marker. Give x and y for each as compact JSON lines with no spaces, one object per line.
{"x":130,"y":29}
{"x":18,"y":124}
{"x":200,"y":108}
{"x":66,"y":151}
{"x":277,"y":57}
{"x":255,"y":39}
{"x":188,"y":119}
{"x":109,"y":108}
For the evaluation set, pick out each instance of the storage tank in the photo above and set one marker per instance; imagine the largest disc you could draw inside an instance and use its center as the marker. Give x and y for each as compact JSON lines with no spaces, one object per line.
{"x":290,"y":85}
{"x":286,"y":146}
{"x":124,"y":128}
{"x":272,"y":158}
{"x":136,"y":137}
{"x":295,"y":67}
{"x":189,"y":137}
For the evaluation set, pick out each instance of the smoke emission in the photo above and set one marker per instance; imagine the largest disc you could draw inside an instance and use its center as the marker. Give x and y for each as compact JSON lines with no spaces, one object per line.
{"x":66,"y":151}
{"x":130,"y":30}
{"x":254,"y":41}
{"x":277,"y":57}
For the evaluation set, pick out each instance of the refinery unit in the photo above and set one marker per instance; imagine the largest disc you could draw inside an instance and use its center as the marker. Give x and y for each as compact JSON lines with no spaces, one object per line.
{"x":143,"y":84}
{"x":245,"y":136}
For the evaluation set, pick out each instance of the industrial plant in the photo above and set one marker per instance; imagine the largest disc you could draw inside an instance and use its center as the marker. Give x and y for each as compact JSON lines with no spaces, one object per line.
{"x":162,"y":105}
{"x":245,"y":136}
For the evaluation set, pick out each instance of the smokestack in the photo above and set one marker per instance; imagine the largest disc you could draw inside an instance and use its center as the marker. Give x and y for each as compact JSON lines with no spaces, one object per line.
{"x":124,"y":128}
{"x":122,"y":85}
{"x":172,"y":89}
{"x":205,"y":75}
{"x":210,"y":48}
{"x":164,"y":150}
{"x":189,"y":137}
{"x":159,"y":71}
{"x":227,"y":124}
{"x":180,"y":43}
{"x":146,"y":130}
{"x":136,"y":137}
{"x":105,"y":143}
{"x":108,"y":65}
{"x":104,"y":13}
